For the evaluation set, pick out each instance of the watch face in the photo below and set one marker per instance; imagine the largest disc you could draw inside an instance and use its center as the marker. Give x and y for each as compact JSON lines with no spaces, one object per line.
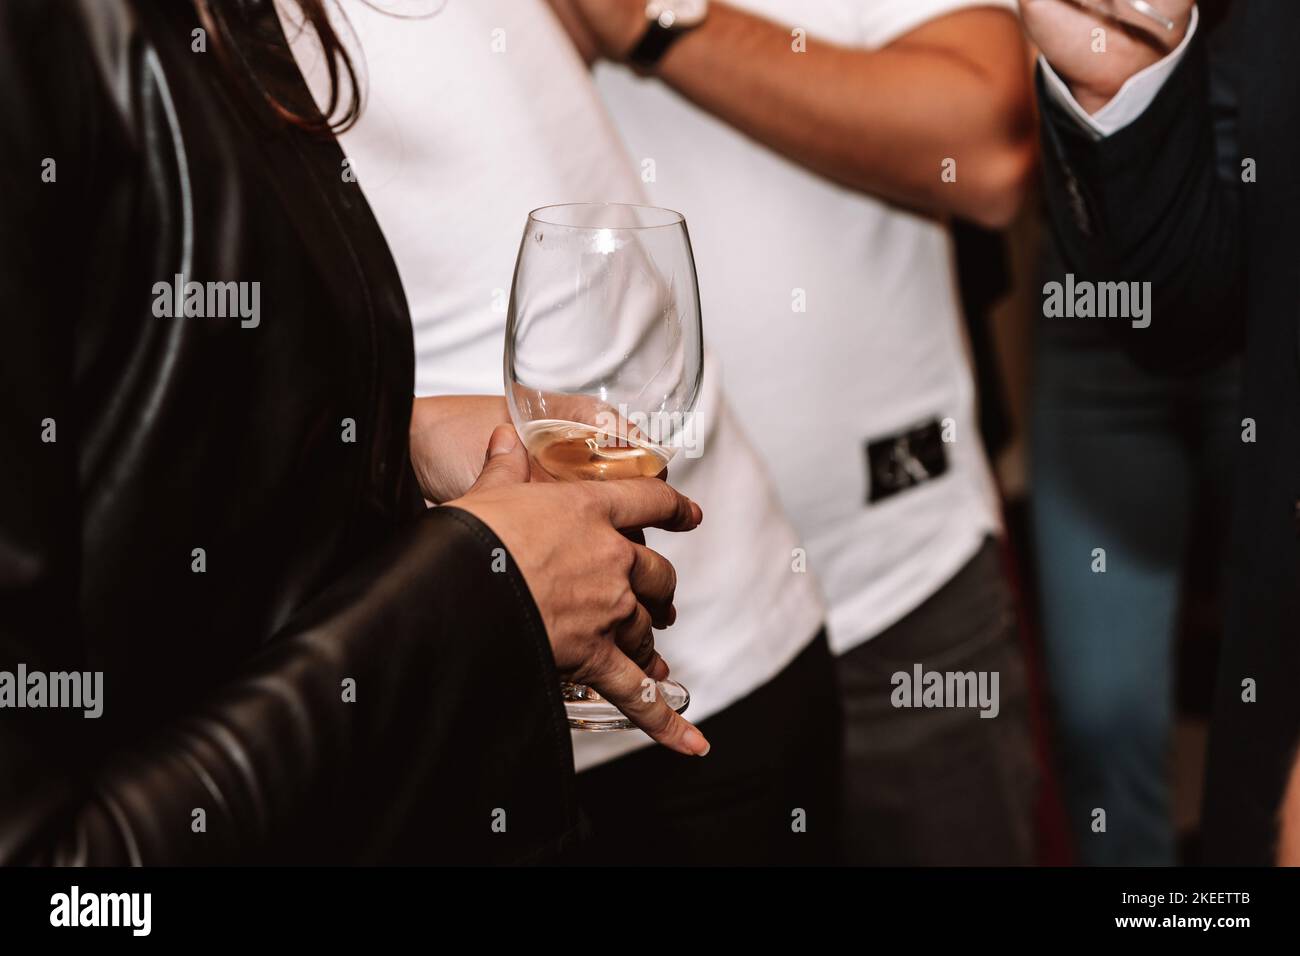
{"x":680,"y":14}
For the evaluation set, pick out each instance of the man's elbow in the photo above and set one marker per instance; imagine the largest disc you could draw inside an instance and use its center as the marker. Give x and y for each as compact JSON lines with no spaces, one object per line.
{"x":1004,"y":181}
{"x":1008,"y":160}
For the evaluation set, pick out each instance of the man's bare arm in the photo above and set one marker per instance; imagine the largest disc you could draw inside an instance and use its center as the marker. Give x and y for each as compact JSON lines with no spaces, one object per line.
{"x":881,"y":121}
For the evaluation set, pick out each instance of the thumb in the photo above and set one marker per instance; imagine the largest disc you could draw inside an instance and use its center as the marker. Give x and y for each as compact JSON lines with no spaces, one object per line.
{"x":506,"y":462}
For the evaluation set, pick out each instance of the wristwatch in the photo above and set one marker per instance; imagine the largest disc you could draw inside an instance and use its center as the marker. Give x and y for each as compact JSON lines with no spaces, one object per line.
{"x":667,"y":21}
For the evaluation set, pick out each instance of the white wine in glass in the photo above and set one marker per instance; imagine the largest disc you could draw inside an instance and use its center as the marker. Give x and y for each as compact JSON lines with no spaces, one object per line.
{"x":571,"y":451}
{"x":604,"y":358}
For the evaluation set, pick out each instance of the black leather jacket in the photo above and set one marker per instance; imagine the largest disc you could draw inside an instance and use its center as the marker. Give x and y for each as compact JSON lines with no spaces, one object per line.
{"x":181,"y":508}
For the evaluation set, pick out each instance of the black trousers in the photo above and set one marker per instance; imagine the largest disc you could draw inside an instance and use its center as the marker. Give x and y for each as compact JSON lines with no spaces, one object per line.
{"x":766,"y":794}
{"x":941,"y":786}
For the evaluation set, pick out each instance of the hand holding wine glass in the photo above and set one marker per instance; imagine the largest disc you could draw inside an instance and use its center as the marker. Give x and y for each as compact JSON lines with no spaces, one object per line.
{"x":603,"y":364}
{"x":599,"y":593}
{"x":1063,"y":30}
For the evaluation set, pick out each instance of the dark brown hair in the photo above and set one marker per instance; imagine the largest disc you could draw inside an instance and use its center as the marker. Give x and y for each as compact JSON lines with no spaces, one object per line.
{"x":338,"y":115}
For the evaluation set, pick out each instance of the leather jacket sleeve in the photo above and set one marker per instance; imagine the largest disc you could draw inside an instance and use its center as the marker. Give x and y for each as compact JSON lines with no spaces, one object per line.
{"x":342,"y":676}
{"x":377,"y":728}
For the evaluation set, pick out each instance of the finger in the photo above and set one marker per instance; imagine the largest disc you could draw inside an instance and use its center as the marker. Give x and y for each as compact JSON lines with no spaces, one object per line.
{"x":536,"y":473}
{"x":654,"y":581}
{"x":647,"y":503}
{"x":624,"y":685}
{"x":657,"y":669}
{"x":506,"y":462}
{"x":635,"y":535}
{"x":636,"y":640}
{"x":672,"y":616}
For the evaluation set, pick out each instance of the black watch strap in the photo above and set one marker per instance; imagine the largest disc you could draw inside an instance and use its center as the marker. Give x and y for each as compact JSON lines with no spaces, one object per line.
{"x":654,"y":44}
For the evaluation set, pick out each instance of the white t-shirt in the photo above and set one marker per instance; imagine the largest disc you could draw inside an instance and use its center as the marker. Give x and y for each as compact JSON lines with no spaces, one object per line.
{"x":879,"y":349}
{"x":474,"y":117}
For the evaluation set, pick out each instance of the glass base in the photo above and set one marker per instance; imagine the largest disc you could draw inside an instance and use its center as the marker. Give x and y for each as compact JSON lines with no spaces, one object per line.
{"x":587,"y":710}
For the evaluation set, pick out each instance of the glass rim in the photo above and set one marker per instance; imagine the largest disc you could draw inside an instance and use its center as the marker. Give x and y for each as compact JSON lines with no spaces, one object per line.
{"x":671,"y":216}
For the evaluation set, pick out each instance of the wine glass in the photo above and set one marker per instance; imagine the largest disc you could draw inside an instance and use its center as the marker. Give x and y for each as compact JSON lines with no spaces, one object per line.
{"x":604,"y":358}
{"x":1141,"y":6}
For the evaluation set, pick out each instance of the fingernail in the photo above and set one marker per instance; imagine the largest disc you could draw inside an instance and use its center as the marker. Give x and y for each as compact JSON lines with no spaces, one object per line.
{"x":503,"y":442}
{"x":695,"y":743}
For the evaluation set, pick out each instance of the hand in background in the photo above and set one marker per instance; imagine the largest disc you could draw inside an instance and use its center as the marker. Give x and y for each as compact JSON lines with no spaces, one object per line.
{"x":1288,"y":841}
{"x":1063,"y":31}
{"x":599,"y":594}
{"x":449,"y":439}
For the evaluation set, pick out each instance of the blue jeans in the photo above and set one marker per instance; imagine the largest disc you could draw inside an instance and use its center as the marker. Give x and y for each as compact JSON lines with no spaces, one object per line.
{"x":1121,"y":460}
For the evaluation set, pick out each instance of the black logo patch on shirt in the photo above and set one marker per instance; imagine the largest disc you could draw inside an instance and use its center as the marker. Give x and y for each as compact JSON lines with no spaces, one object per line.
{"x":904,"y":460}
